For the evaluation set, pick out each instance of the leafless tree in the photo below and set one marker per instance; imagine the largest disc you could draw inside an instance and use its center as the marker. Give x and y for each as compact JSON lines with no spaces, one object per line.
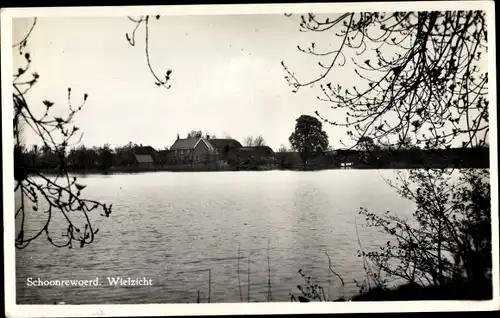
{"x":248,"y":141}
{"x":259,"y":141}
{"x":422,"y":82}
{"x":449,"y":236}
{"x":42,"y":195}
{"x":194,"y":134}
{"x":251,"y":141}
{"x":282,"y":148}
{"x":420,"y":74}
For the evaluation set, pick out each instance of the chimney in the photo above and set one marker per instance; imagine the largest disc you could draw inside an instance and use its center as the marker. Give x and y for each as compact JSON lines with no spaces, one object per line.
{"x":208,"y":136}
{"x":178,"y":137}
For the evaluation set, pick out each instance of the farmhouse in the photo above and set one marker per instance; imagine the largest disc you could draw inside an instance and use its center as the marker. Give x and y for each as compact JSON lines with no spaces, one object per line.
{"x":191,"y":151}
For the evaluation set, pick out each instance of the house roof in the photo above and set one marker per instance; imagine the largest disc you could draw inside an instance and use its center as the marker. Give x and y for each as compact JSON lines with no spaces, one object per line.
{"x":146,"y":150}
{"x":264,"y":151}
{"x":221,"y":143}
{"x":189,"y":143}
{"x":186,"y":143}
{"x":259,"y":153}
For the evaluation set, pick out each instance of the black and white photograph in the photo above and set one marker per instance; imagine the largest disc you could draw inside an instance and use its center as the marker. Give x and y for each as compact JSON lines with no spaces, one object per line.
{"x":250,"y":158}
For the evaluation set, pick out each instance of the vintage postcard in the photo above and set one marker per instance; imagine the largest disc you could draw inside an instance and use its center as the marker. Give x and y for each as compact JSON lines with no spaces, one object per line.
{"x":233,"y":159}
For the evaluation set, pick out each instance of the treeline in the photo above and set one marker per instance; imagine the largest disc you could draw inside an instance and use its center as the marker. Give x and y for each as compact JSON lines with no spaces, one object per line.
{"x":416,"y":157}
{"x":102,"y":158}
{"x":82,"y":157}
{"x":386,"y":158}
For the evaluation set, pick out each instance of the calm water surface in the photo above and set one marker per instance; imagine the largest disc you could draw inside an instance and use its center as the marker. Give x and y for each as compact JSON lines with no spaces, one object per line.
{"x":173,"y":227}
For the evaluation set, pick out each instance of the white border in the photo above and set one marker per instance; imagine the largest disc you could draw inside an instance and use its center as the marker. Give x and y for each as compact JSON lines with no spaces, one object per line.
{"x":13,"y":310}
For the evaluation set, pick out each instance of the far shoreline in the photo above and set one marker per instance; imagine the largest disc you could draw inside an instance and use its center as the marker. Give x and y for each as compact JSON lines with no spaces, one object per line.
{"x":181,"y":169}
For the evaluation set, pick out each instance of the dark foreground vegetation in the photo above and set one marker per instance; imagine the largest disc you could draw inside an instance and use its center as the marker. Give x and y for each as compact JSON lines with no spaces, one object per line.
{"x":442,"y":252}
{"x":417,"y":74}
{"x":410,"y":292}
{"x":447,"y":291}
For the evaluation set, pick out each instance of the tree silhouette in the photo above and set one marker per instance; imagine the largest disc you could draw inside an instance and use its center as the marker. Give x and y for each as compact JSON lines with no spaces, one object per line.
{"x":61,"y":193}
{"x":105,"y":155}
{"x":422,"y":76}
{"x":405,"y":143}
{"x":258,"y":141}
{"x":366,"y":143}
{"x":308,"y":137}
{"x":282,"y":148}
{"x":195,"y":134}
{"x":248,"y":141}
{"x":42,"y":195}
{"x":124,"y":156}
{"x":419,"y":72}
{"x":366,"y":146}
{"x":450,"y":238}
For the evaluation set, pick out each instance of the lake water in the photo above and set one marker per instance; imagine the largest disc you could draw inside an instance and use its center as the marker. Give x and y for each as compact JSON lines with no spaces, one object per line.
{"x":174,"y":227}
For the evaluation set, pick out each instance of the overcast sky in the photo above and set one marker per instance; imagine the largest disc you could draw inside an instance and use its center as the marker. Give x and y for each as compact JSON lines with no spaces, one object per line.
{"x":227,"y":78}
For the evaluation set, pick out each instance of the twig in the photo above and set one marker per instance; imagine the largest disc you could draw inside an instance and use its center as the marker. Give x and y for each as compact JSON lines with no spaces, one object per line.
{"x":248,"y":279}
{"x":131,"y":40}
{"x":238,"y":270}
{"x":209,"y":284}
{"x":209,"y":270}
{"x":331,"y":270}
{"x":53,"y":190}
{"x":362,"y":254}
{"x":26,"y":36}
{"x":269,"y":295}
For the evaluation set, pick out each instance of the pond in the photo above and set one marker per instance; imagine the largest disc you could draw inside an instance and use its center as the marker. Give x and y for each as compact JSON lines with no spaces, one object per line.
{"x":184,"y":231}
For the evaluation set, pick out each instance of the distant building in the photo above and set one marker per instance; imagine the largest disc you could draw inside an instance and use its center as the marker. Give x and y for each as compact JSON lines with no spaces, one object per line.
{"x":224,"y":149}
{"x":323,"y":158}
{"x":191,"y":151}
{"x":145,"y":161}
{"x":258,"y":155}
{"x":163,"y":157}
{"x":145,"y":157}
{"x":145,"y":150}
